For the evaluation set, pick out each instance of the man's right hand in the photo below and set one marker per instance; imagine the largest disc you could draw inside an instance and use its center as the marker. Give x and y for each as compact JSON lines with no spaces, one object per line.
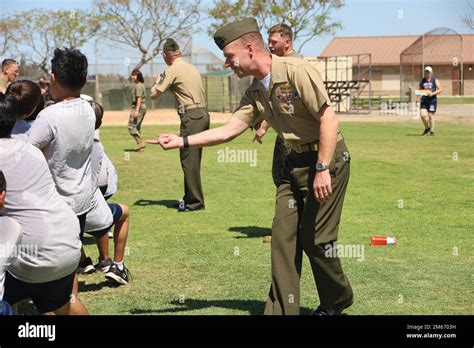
{"x":261,"y":131}
{"x":167,"y":141}
{"x":259,"y":134}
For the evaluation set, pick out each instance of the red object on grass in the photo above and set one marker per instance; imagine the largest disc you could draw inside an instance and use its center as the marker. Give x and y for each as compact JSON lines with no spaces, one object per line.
{"x":380,"y":240}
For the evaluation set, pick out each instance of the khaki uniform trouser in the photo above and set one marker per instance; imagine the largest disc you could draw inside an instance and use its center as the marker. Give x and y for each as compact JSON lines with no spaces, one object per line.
{"x":135,"y":123}
{"x":302,"y":224}
{"x":278,"y":164}
{"x":193,"y":121}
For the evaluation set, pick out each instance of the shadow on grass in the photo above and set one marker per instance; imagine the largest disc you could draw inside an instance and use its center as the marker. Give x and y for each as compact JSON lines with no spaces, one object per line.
{"x":252,"y":231}
{"x":253,"y":307}
{"x":168,"y":203}
{"x":83,"y":287}
{"x":88,"y":240}
{"x":130,"y":150}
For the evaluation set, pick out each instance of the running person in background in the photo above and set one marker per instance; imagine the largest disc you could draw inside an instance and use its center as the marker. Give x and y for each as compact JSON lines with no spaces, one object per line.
{"x":138,"y":109}
{"x":429,"y":102}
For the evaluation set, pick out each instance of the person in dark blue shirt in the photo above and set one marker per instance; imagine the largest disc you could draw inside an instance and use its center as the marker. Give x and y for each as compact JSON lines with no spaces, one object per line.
{"x":431,"y":87}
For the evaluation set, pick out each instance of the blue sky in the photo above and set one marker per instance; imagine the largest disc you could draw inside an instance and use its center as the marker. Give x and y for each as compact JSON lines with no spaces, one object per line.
{"x":358,"y":17}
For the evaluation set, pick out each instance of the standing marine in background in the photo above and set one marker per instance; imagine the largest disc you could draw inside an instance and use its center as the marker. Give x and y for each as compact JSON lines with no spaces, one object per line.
{"x":184,"y":81}
{"x":138,"y":109}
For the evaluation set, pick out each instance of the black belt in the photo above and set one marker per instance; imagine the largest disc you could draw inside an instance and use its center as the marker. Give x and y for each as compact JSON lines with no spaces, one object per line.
{"x":310,"y":147}
{"x":183,"y":110}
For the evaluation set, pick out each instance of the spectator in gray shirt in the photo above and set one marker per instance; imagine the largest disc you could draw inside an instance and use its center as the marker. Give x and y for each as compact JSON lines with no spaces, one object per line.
{"x":65,"y":132}
{"x":50,"y":247}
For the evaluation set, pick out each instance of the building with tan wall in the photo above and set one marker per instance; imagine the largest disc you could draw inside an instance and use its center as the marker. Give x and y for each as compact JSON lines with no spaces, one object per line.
{"x":396,"y":58}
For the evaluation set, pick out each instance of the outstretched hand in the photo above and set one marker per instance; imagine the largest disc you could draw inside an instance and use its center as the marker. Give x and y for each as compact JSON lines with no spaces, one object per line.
{"x":167,"y":141}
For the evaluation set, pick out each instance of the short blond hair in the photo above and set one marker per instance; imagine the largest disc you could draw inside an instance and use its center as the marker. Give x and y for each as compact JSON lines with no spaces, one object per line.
{"x":283,"y":29}
{"x":254,"y":38}
{"x":173,"y":54}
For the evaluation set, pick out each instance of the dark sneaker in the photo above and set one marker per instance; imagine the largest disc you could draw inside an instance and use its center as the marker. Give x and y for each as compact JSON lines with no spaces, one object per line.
{"x":426,"y":132}
{"x":182,"y":206}
{"x":334,"y":310}
{"x":118,"y":276}
{"x":86,"y":267}
{"x":432,"y":134}
{"x":178,"y":204}
{"x":103,"y":265}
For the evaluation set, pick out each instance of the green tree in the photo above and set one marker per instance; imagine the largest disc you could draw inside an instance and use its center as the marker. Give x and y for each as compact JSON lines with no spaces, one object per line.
{"x":467,"y":17}
{"x":29,"y":70}
{"x":307,"y":18}
{"x":145,"y":24}
{"x":39,"y":32}
{"x":8,"y":26}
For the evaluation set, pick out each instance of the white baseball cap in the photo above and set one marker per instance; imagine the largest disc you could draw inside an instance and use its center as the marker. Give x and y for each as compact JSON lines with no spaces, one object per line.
{"x":428,"y":68}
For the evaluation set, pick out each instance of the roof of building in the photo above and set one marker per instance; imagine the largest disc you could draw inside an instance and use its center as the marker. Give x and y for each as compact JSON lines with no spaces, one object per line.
{"x":386,"y":50}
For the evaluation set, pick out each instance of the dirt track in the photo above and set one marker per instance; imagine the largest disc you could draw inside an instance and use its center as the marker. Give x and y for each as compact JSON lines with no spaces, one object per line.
{"x":454,"y":114}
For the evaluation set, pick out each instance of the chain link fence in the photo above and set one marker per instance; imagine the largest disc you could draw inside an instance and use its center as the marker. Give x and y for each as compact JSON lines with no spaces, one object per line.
{"x":442,"y":49}
{"x":110,"y":84}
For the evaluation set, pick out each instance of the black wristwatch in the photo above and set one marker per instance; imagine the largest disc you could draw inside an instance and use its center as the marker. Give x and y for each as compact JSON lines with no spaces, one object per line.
{"x":321,"y":167}
{"x":185,"y":142}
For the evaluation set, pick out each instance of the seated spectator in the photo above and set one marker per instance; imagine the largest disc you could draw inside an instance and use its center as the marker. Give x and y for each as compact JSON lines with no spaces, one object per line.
{"x":50,"y":247}
{"x":10,"y":237}
{"x":102,"y":217}
{"x":65,"y":132}
{"x":26,"y":95}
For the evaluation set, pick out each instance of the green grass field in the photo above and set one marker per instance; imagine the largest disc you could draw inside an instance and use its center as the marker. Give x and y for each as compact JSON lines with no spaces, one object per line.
{"x":214,"y":261}
{"x":456,"y":100}
{"x":378,"y":100}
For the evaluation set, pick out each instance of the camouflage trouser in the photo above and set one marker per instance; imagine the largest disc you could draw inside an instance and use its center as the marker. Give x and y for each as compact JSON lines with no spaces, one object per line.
{"x":135,"y":123}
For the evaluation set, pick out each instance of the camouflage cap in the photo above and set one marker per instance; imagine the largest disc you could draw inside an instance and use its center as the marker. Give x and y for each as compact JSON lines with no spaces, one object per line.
{"x":233,"y":31}
{"x":170,"y":45}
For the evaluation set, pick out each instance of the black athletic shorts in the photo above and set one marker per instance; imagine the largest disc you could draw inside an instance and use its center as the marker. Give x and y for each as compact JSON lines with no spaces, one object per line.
{"x":429,"y":104}
{"x":82,"y":225}
{"x":117,"y":213}
{"x":47,"y":297}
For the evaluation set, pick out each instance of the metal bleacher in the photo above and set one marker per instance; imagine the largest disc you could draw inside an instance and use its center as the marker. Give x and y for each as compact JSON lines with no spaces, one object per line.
{"x":345,"y":79}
